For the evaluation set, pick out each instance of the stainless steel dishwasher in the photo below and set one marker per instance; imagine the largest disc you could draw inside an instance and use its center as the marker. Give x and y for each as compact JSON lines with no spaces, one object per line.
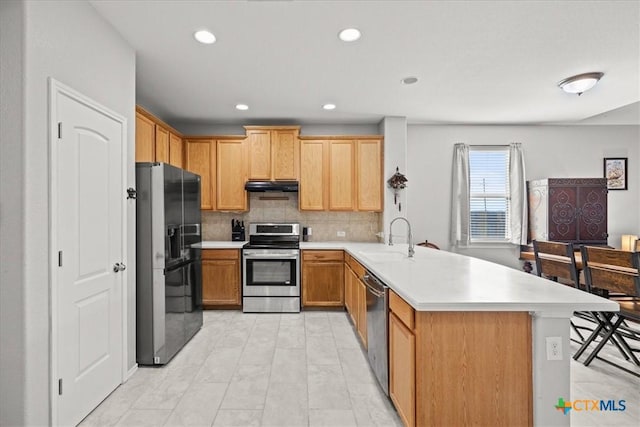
{"x":377,"y":328}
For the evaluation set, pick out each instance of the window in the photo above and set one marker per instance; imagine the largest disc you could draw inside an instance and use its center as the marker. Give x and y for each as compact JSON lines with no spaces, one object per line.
{"x":489,"y":202}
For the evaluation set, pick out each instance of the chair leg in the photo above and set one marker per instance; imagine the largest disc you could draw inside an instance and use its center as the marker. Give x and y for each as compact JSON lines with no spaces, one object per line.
{"x":589,"y":340}
{"x":605,"y":338}
{"x":575,"y":329}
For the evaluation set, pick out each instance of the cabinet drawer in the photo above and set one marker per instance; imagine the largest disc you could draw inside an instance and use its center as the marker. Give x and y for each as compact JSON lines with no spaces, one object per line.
{"x":402,"y":310}
{"x":220,"y":254}
{"x":322,"y":255}
{"x":355,"y":266}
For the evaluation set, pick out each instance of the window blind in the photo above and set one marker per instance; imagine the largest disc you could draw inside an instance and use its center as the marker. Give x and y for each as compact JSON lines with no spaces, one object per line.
{"x":489,"y":208}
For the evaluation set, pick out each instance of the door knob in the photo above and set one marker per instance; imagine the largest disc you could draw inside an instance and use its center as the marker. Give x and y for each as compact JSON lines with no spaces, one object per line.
{"x":119,"y":267}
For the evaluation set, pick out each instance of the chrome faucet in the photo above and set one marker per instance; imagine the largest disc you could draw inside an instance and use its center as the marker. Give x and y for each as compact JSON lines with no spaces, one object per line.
{"x":409,"y":236}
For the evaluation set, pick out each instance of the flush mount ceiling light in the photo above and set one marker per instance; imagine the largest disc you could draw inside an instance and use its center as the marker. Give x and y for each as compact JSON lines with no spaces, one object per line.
{"x":205,"y":37}
{"x":349,"y":34}
{"x":242,"y":107}
{"x":329,"y":106}
{"x":409,"y":80}
{"x":580,"y":83}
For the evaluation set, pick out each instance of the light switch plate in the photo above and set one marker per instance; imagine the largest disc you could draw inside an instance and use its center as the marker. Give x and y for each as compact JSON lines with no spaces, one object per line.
{"x":341,"y":233}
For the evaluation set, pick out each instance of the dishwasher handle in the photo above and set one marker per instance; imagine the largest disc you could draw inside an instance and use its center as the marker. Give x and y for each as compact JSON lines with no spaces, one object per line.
{"x":376,"y":287}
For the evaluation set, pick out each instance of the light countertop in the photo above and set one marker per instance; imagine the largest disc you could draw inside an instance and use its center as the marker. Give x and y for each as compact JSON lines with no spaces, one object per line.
{"x":436,"y":280}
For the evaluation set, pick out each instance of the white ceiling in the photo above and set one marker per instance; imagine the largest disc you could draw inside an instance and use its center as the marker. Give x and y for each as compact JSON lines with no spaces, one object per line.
{"x":478,"y":62}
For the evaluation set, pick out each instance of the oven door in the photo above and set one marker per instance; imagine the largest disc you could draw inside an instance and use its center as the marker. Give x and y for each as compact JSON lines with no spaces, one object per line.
{"x":271,"y":273}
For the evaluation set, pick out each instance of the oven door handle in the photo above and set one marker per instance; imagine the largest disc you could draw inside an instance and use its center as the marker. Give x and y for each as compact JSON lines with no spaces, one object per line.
{"x":272,"y":256}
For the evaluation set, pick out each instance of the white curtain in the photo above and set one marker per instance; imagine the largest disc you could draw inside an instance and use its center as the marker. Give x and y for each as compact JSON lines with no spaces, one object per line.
{"x":518,"y":195}
{"x":460,"y":196}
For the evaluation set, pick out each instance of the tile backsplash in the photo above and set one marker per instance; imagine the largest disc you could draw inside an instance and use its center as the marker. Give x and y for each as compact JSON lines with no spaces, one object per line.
{"x":358,"y":226}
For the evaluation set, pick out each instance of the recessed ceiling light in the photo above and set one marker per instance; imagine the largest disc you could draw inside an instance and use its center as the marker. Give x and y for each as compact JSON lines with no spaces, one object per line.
{"x":242,"y":107}
{"x":204,"y":36}
{"x":349,"y":34}
{"x":329,"y":106}
{"x":409,"y":80}
{"x":580,"y":83}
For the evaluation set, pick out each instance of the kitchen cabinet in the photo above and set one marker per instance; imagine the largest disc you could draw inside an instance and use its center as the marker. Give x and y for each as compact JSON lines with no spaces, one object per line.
{"x":402,"y":359}
{"x":339,"y":173}
{"x":570,"y":210}
{"x":156,"y":141}
{"x":200,"y":158}
{"x":231,"y":175}
{"x":314,"y":172}
{"x":145,"y":138}
{"x":274,"y":152}
{"x":356,"y":294}
{"x":322,"y":278}
{"x":162,"y":144}
{"x":220,"y":277}
{"x":175,"y":150}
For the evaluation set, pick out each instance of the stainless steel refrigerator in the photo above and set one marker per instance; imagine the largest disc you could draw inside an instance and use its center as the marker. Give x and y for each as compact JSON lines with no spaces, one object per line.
{"x":169,"y":270}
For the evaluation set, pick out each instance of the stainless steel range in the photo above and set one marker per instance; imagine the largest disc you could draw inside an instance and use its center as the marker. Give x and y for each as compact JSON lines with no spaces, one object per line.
{"x":271,"y":268}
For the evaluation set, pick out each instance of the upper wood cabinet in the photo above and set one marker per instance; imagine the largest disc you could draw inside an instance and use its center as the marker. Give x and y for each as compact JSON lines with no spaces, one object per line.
{"x":231,"y":175}
{"x":200,"y":158}
{"x":341,"y":173}
{"x":156,"y":141}
{"x":313,"y":193}
{"x":273,"y":152}
{"x":175,"y":150}
{"x":145,"y":138}
{"x":162,"y":144}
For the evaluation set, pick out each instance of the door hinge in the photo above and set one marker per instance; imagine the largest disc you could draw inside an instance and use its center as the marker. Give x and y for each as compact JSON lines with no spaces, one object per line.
{"x":59,"y":130}
{"x":59,"y":258}
{"x":132,"y":193}
{"x":60,"y":387}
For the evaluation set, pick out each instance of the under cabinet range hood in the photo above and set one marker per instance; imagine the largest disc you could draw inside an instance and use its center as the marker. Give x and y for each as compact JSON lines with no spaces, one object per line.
{"x":262,"y":186}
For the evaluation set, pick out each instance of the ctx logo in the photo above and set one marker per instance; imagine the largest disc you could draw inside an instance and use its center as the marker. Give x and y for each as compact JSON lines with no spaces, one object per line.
{"x":590,"y":405}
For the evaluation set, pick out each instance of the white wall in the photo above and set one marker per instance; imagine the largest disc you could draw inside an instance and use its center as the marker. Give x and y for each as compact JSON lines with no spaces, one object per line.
{"x":71,"y":42}
{"x":190,"y":128}
{"x":550,"y":152}
{"x":394,"y":130}
{"x":12,"y":222}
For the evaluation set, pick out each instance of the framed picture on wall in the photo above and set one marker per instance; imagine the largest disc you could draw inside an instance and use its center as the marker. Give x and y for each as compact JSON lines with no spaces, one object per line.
{"x":615,"y":170}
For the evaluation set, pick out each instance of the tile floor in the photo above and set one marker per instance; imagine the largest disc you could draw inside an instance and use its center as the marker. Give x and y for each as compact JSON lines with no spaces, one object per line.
{"x":302,"y":369}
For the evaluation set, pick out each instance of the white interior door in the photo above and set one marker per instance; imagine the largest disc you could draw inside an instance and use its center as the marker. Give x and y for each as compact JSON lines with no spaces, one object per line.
{"x":87,"y":230}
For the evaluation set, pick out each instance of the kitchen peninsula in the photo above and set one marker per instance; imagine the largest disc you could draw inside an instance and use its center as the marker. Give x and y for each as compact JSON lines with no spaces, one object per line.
{"x":479,"y":333}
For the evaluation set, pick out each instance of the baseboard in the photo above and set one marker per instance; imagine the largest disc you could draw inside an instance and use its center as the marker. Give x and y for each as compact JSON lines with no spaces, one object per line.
{"x":131,"y":371}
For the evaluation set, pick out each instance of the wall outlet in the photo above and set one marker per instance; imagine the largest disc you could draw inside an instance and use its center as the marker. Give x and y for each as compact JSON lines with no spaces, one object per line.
{"x":341,"y":234}
{"x":554,"y":348}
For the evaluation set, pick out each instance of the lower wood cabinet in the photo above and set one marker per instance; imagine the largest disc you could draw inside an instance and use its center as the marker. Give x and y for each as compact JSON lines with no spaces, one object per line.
{"x":220,"y":277}
{"x":322,"y":278}
{"x":356,"y":296}
{"x":402,"y":361}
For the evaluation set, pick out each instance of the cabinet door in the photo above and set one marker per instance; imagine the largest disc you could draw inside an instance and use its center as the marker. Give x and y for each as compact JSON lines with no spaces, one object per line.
{"x":200,"y":159}
{"x":402,"y":370}
{"x":592,"y":221}
{"x":361,"y":298}
{"x":259,"y":154}
{"x":563,"y":211}
{"x":285,"y":156}
{"x":145,"y":139}
{"x":322,"y":284}
{"x":341,"y":175}
{"x":313,"y":174}
{"x":231,"y":175}
{"x":162,"y":144}
{"x":175,"y":150}
{"x":220,"y":282}
{"x":348,"y":304}
{"x":369,"y":175}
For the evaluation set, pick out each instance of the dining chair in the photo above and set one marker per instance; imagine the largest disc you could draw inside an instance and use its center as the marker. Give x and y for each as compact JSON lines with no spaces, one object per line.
{"x":617,"y":272}
{"x":556,"y":261}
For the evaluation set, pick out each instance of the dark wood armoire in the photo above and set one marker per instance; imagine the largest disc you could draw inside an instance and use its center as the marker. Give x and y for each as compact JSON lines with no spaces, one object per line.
{"x":572,"y":210}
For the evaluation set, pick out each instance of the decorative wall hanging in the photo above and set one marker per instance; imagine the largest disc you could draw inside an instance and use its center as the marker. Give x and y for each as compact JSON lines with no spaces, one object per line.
{"x":397,"y":182}
{"x":615,"y":170}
